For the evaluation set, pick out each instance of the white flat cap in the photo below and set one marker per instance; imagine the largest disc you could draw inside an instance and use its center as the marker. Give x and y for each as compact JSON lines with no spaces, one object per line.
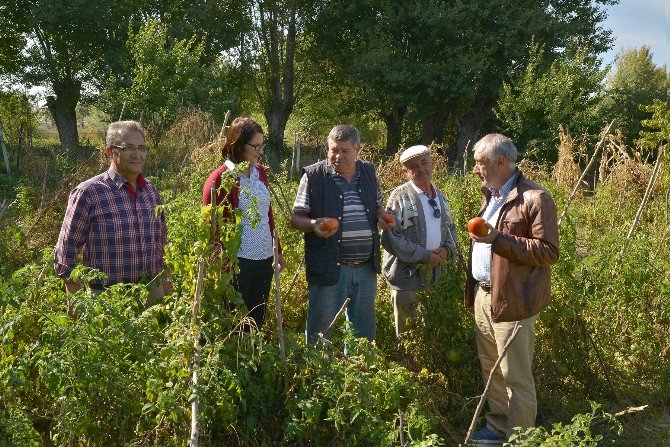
{"x":413,"y":151}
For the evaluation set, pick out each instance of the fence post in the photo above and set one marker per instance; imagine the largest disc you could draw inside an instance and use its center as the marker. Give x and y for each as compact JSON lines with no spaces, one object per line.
{"x":4,"y":151}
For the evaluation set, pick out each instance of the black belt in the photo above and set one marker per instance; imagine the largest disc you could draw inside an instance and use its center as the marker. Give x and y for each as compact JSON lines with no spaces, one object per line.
{"x":354,"y":265}
{"x":485,"y":286}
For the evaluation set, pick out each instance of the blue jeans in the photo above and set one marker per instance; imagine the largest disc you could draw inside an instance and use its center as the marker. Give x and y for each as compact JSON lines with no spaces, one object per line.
{"x":360,"y":285}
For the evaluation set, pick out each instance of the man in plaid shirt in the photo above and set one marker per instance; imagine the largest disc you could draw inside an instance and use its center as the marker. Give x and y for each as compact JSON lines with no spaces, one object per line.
{"x":111,"y":217}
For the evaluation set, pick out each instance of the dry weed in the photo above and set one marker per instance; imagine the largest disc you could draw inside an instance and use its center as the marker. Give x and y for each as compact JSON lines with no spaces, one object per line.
{"x":566,"y":171}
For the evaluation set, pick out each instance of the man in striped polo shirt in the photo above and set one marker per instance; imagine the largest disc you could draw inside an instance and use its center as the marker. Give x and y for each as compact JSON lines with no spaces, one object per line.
{"x":344,"y":262}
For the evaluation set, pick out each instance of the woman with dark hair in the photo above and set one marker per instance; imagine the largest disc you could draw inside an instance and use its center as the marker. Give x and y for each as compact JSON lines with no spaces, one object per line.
{"x":244,"y":143}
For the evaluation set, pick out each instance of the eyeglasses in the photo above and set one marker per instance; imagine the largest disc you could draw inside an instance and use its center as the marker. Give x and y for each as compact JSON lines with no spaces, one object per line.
{"x":257,"y":147}
{"x":436,"y":211}
{"x":130,"y":148}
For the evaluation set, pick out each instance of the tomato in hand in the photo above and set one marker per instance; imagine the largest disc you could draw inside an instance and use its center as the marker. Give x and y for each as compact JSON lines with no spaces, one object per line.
{"x":477,"y":226}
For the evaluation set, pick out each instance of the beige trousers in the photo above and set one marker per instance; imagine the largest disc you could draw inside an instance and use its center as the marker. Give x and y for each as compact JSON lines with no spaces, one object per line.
{"x":404,"y":309}
{"x":511,"y":398}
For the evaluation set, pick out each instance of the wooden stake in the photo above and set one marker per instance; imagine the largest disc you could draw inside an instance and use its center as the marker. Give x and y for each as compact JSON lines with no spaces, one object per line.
{"x":480,"y":405}
{"x":222,"y":134}
{"x":280,"y":329}
{"x":331,"y":326}
{"x":123,"y":108}
{"x":647,"y":193}
{"x":195,"y":422}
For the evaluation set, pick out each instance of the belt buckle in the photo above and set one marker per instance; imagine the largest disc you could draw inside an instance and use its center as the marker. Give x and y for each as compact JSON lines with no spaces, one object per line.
{"x":485,"y":286}
{"x":353,"y":265}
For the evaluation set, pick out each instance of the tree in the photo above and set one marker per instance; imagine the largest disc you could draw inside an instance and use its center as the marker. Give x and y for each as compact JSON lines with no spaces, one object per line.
{"x":656,"y":129}
{"x":446,"y":60}
{"x":634,"y":85}
{"x":567,"y":93}
{"x":167,"y":75}
{"x":496,"y":38}
{"x":18,"y":120}
{"x":67,"y":46}
{"x":269,"y":56}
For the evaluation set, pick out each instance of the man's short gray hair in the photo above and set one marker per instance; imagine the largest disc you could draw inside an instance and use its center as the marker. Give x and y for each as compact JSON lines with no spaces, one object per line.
{"x":116,"y":129}
{"x":345,"y":132}
{"x":494,"y":145}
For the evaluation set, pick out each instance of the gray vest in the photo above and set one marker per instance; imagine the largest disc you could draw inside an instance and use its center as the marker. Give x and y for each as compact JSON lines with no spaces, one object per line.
{"x":322,"y":256}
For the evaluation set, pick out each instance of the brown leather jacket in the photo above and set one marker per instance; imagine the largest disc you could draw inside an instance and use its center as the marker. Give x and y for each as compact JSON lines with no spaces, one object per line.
{"x":522,"y":254}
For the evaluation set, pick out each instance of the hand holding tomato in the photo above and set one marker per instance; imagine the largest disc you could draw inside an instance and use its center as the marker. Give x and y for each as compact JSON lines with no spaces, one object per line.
{"x":386,"y":221}
{"x":477,"y":226}
{"x":326,"y":226}
{"x":482,"y":231}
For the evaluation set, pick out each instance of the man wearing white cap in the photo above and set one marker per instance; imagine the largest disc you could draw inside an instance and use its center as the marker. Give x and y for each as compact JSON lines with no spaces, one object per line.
{"x":422,"y":237}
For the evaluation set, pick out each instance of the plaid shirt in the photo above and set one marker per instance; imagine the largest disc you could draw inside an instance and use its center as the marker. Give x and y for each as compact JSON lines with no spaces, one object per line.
{"x":117,"y":227}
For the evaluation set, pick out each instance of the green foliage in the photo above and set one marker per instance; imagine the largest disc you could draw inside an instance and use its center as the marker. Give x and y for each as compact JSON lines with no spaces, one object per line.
{"x":534,"y":106}
{"x":632,"y":88}
{"x":658,"y":125}
{"x":167,"y":75}
{"x":18,"y":118}
{"x":120,"y":373}
{"x":577,"y":433}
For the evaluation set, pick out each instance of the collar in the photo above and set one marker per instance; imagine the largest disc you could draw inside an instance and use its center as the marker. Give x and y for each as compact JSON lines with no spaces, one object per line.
{"x":331,"y":170}
{"x":120,"y":180}
{"x":419,"y":191}
{"x":253,"y":170}
{"x":507,"y":187}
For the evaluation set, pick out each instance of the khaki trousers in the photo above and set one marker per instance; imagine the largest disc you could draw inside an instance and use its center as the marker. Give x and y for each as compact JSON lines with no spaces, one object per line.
{"x":404,"y":309}
{"x":511,"y":399}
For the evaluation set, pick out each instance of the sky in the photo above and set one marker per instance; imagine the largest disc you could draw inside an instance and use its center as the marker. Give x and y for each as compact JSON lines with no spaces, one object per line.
{"x":640,"y":22}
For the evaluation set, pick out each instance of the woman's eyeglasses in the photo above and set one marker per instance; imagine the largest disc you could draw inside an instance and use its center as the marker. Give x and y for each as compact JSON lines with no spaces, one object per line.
{"x":257,"y":147}
{"x":436,"y":211}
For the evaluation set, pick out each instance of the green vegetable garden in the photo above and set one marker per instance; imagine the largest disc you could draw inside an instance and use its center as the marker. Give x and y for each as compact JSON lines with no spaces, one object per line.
{"x":125,"y":371}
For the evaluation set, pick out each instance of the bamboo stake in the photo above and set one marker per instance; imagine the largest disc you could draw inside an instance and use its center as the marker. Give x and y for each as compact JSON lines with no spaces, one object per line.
{"x":581,"y":178}
{"x":280,"y":329}
{"x":195,"y":422}
{"x":480,"y":405}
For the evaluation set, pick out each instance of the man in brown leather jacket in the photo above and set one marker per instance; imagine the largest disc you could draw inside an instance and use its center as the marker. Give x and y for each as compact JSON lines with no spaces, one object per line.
{"x":508,"y":281}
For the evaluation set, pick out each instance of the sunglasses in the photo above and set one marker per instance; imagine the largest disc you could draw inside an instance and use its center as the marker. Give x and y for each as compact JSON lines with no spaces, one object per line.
{"x":436,"y":211}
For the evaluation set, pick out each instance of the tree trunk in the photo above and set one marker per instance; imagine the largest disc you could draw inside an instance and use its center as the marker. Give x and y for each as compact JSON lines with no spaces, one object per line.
{"x":393,"y":121}
{"x":434,"y":126}
{"x":278,"y":95}
{"x":63,"y":111}
{"x":277,"y":118}
{"x":468,"y":128}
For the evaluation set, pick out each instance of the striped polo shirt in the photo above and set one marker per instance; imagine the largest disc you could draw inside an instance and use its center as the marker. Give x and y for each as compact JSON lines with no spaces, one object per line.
{"x":356,"y":243}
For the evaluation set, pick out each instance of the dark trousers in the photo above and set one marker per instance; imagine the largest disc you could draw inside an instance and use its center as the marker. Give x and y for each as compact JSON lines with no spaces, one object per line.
{"x":253,"y":282}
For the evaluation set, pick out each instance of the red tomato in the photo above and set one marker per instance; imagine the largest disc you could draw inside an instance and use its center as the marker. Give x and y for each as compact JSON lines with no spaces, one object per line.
{"x":389,"y":219}
{"x":329,"y":224}
{"x":477,"y":226}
